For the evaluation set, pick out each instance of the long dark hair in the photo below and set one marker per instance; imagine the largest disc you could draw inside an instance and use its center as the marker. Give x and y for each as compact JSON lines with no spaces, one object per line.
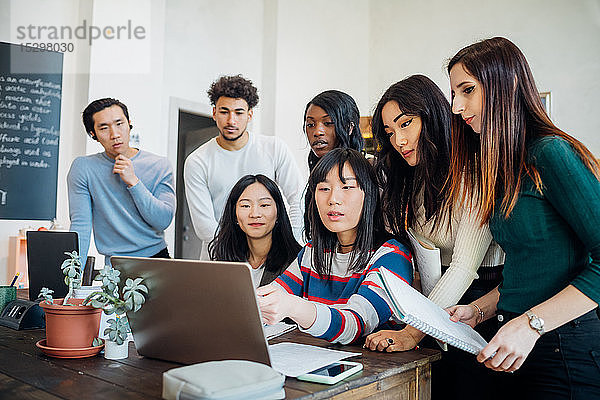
{"x":512,"y":116}
{"x":419,"y":96}
{"x":370,"y":233}
{"x":344,"y":114}
{"x":230,"y":242}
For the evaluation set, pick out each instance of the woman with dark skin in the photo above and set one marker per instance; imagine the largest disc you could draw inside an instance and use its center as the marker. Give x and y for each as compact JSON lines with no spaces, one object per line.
{"x":331,"y":120}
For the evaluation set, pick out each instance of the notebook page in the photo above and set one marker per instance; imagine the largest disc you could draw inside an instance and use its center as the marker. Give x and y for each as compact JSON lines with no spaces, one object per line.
{"x":428,"y":262}
{"x":414,"y":308}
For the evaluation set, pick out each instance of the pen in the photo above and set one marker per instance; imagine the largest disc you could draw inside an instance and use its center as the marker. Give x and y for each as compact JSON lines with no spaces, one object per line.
{"x":14,"y":279}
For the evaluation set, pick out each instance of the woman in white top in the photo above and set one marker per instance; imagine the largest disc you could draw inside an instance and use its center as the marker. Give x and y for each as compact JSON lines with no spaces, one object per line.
{"x":411,"y":125}
{"x":255,"y":228}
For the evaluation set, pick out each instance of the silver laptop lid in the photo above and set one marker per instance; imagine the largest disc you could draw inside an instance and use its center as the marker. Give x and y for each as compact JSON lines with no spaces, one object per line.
{"x":195,"y":311}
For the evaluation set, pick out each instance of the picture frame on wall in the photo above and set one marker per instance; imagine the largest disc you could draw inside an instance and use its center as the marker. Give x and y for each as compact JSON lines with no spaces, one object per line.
{"x":546,"y":101}
{"x":367,"y":134}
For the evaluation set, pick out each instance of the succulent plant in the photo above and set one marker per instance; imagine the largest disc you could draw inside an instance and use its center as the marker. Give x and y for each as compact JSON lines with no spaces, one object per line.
{"x":117,"y":330}
{"x":71,"y":267}
{"x":46,"y":294}
{"x":133,"y":297}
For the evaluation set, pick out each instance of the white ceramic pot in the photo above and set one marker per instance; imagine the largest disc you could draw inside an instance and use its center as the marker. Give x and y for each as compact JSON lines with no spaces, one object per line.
{"x":114,"y":351}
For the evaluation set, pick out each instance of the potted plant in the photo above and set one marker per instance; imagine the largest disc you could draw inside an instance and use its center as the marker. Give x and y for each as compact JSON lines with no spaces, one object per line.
{"x":69,"y":323}
{"x":116,"y":345}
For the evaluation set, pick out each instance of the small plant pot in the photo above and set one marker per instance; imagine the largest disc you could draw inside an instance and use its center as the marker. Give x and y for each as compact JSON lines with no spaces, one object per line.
{"x":70,"y":327}
{"x":114,"y":351}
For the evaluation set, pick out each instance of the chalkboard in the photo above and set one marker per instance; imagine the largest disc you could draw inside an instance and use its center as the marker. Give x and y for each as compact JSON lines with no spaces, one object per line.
{"x":30,"y":97}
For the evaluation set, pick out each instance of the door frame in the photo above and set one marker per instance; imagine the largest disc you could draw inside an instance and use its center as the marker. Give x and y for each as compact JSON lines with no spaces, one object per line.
{"x":177,"y":104}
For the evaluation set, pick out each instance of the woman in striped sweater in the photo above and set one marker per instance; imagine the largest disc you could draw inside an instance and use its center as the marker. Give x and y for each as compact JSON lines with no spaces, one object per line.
{"x":332,"y":290}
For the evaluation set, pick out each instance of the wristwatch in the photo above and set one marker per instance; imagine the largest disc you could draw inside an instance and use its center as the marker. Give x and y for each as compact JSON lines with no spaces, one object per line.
{"x":535,"y":322}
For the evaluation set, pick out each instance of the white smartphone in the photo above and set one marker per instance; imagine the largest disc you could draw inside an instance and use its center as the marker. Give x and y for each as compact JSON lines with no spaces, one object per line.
{"x":332,"y":373}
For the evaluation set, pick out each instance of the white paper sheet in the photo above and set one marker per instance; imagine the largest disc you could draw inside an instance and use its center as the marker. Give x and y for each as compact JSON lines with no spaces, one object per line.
{"x":294,"y":359}
{"x":427,"y":260}
{"x":278,"y":329}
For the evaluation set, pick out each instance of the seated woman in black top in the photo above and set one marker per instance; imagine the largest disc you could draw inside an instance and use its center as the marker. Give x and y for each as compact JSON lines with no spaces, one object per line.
{"x":255,"y":228}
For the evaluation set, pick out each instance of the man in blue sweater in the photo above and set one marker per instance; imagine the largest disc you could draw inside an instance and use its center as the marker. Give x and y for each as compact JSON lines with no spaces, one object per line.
{"x":125,"y":194}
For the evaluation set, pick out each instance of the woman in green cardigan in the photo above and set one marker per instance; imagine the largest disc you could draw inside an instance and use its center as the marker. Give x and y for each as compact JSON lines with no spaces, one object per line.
{"x":540,"y":194}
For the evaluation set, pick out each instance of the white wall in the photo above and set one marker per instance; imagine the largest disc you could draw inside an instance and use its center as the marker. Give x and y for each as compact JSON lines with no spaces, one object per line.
{"x":561,"y":40}
{"x":131,"y":70}
{"x":205,"y":40}
{"x":320,"y":46}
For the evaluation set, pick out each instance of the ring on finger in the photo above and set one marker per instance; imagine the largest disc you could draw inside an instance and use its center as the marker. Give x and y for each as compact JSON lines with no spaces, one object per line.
{"x":390,"y":341}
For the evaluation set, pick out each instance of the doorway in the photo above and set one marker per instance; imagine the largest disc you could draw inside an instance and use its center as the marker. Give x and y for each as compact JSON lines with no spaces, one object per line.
{"x":193,"y":131}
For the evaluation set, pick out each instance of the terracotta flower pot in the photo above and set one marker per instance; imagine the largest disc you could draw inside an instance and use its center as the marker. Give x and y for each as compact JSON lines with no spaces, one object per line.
{"x":70,"y":327}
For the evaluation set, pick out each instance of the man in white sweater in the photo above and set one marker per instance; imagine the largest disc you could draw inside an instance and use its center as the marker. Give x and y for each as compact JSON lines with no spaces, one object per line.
{"x":213,"y":168}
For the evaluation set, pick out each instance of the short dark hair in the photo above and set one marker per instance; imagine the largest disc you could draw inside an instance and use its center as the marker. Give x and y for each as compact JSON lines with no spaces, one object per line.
{"x":370,"y":230}
{"x":419,"y":96}
{"x":236,"y":87}
{"x":344,"y":114}
{"x":230,"y":243}
{"x":96,"y":106}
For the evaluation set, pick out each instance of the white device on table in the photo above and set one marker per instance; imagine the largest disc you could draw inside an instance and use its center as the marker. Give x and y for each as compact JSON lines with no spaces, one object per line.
{"x":332,"y":373}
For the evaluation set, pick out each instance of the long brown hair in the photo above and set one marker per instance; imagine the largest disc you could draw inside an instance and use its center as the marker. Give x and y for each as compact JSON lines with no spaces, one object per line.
{"x":492,"y":164}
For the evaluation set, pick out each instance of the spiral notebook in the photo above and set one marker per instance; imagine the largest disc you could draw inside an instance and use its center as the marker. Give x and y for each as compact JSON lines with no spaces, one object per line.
{"x":418,"y":311}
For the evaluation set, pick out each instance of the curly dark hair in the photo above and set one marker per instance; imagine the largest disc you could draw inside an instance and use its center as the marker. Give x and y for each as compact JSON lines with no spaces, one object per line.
{"x":236,"y":87}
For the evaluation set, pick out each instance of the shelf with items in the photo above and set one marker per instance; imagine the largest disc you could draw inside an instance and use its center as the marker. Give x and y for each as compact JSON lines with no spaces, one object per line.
{"x":17,"y":261}
{"x":365,"y":130}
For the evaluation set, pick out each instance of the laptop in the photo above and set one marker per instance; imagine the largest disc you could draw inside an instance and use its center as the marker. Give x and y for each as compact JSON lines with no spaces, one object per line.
{"x":45,"y":254}
{"x":195,"y":311}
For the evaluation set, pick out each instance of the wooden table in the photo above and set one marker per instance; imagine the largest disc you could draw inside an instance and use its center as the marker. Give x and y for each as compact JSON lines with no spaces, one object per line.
{"x":26,"y":373}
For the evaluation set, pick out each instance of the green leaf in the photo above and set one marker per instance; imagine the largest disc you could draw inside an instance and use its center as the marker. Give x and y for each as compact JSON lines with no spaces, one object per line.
{"x":142,"y":288}
{"x":96,"y":304}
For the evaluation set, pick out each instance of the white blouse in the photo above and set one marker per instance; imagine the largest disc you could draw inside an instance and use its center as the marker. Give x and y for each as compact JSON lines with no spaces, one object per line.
{"x":463,"y":248}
